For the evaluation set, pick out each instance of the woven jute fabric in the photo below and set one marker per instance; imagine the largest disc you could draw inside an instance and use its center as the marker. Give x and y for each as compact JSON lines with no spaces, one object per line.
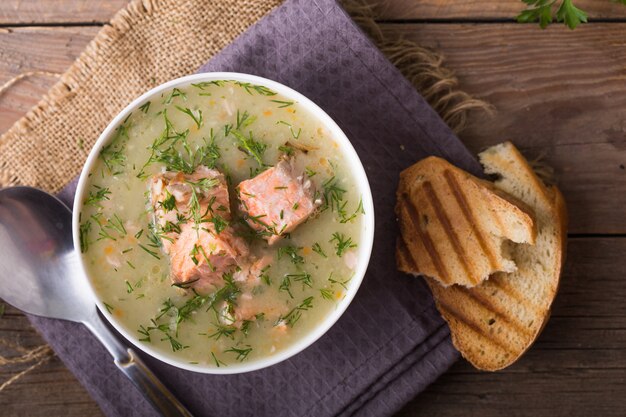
{"x":146,"y":44}
{"x":153,"y":41}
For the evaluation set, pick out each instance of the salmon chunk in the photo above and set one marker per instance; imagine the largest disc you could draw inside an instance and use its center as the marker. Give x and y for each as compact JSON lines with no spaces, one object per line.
{"x":276,"y":201}
{"x":200,"y":258}
{"x":191,"y":215}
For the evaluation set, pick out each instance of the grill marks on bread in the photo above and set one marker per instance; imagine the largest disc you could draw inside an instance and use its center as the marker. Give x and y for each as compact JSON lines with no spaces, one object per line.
{"x":453,"y":224}
{"x":494,"y":323}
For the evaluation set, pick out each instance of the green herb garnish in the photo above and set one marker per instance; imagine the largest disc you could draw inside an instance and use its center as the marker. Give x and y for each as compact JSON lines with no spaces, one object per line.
{"x":359,"y":210}
{"x":100,"y":195}
{"x":145,"y":107}
{"x":342,"y":244}
{"x":175,"y":93}
{"x":292,"y":253}
{"x":242,"y":353}
{"x":293,"y":132}
{"x":150,"y":252}
{"x":83,"y":231}
{"x":294,"y":315}
{"x":113,"y":155}
{"x":244,"y":120}
{"x":205,"y":84}
{"x":283,"y":104}
{"x":226,"y":331}
{"x":250,"y":146}
{"x":326,"y":293}
{"x":109,"y":307}
{"x":259,"y":89}
{"x":318,"y":249}
{"x":303,"y":277}
{"x":196,"y":117}
{"x":218,"y":362}
{"x":333,"y":195}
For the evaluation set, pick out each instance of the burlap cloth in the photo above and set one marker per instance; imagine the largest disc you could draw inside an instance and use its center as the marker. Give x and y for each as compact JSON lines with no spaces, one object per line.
{"x":150,"y":42}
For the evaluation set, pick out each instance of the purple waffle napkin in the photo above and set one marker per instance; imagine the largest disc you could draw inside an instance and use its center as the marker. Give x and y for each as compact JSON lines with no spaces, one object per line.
{"x":391,"y":342}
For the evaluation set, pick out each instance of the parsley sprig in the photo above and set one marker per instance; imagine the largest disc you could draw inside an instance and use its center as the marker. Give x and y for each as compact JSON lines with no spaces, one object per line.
{"x":546,"y":11}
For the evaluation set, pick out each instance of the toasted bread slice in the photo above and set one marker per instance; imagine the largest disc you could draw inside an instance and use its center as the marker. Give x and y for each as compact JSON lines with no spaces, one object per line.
{"x":493,"y":324}
{"x":454,"y":225}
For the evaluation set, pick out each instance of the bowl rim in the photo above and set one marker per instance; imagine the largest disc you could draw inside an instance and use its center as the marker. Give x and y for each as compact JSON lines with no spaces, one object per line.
{"x":365,"y":244}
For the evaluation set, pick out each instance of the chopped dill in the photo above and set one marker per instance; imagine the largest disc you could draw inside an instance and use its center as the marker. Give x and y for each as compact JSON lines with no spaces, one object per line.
{"x":204,"y":84}
{"x":333,"y":195}
{"x":341,"y":283}
{"x":265,"y":276}
{"x":145,"y":333}
{"x":129,"y":287}
{"x":226,"y":331}
{"x":285,"y":285}
{"x":245,"y":327}
{"x":294,"y":315}
{"x":242,"y":353}
{"x":259,"y":89}
{"x":326,"y":293}
{"x":309,"y":172}
{"x":318,"y":249}
{"x":151,"y":252}
{"x":250,"y":146}
{"x":359,"y":210}
{"x":112,"y":155}
{"x":145,"y":107}
{"x":175,"y":93}
{"x":83,"y":231}
{"x":218,"y":362}
{"x":244,"y":120}
{"x":219,"y":223}
{"x":109,"y":307}
{"x":169,"y":203}
{"x":303,"y":277}
{"x":172,"y":149}
{"x":291,"y":252}
{"x":283,"y":104}
{"x":94,"y":199}
{"x":293,"y":132}
{"x":287,"y":150}
{"x":196,"y":117}
{"x":342,"y":244}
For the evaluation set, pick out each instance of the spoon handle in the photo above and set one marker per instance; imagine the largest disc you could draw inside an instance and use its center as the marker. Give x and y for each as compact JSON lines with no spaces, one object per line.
{"x":151,"y":387}
{"x":133,"y":367}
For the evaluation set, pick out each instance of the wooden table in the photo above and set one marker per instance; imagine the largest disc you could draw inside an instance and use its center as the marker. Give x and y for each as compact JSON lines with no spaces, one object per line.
{"x":560,"y":94}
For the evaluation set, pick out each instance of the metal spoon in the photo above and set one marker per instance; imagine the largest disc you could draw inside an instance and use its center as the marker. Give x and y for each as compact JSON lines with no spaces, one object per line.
{"x":39,"y":274}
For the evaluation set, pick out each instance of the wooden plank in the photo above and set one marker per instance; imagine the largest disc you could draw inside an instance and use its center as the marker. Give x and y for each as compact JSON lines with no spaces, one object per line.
{"x":468,"y":10}
{"x":24,"y":50}
{"x":100,"y":11}
{"x":577,"y":367}
{"x":568,"y":103}
{"x":558,"y":93}
{"x":58,"y":11}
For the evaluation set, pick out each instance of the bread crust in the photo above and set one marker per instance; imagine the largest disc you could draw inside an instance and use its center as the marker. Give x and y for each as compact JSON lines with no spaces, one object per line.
{"x":494,"y":323}
{"x":453,"y":224}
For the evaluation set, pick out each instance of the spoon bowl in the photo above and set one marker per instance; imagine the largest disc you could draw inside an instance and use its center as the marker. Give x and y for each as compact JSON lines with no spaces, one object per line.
{"x":39,"y":264}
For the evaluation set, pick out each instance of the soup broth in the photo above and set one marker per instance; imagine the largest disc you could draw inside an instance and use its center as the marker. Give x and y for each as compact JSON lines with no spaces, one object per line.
{"x":241,"y":131}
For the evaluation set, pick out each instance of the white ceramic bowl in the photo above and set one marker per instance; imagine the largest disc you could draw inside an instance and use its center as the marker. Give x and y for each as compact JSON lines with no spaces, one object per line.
{"x":365,"y":244}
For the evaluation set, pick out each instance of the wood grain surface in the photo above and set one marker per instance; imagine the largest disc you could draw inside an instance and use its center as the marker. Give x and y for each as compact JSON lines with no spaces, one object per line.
{"x":558,"y":93}
{"x":29,"y":12}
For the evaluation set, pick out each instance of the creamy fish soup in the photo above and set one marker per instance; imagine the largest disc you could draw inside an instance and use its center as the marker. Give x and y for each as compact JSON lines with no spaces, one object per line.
{"x":220,"y":223}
